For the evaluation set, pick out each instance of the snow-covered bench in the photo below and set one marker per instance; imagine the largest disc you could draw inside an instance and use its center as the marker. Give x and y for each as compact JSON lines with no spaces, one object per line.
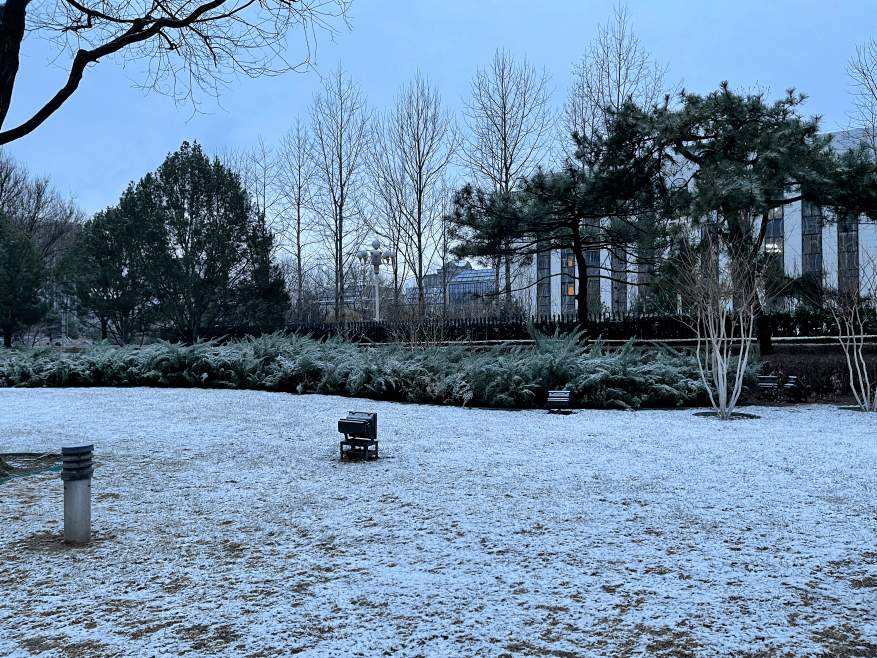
{"x":558,"y":401}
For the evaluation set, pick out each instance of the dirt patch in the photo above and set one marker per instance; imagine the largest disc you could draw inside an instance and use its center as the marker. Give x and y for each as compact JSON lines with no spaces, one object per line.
{"x":667,"y":642}
{"x":867,"y":581}
{"x":145,"y":630}
{"x":202,"y":636}
{"x":82,"y":649}
{"x":844,"y":642}
{"x":176,"y":585}
{"x":25,"y":463}
{"x":529,"y":649}
{"x":53,"y":542}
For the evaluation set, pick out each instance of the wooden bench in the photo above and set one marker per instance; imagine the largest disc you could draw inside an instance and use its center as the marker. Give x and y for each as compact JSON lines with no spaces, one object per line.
{"x":796,"y":390}
{"x":768,"y":386}
{"x":558,"y":402}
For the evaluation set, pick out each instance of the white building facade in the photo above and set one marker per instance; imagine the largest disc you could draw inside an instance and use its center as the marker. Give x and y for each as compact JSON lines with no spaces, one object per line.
{"x":799,"y":237}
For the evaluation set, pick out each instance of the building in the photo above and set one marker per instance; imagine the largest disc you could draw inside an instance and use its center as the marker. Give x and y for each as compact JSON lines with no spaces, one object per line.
{"x":799,"y":237}
{"x":471,"y":285}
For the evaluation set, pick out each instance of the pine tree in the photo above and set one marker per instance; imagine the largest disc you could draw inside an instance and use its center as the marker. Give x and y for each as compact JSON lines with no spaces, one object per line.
{"x":22,"y":274}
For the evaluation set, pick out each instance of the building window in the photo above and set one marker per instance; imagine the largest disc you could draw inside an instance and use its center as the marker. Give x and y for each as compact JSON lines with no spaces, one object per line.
{"x":774,"y":245}
{"x":592,"y":260}
{"x":848,"y":257}
{"x":811,"y":237}
{"x":543,"y":284}
{"x":567,"y":283}
{"x":619,"y":285}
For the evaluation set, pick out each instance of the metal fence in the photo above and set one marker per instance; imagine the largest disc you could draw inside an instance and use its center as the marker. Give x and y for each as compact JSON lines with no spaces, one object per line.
{"x":787,"y":324}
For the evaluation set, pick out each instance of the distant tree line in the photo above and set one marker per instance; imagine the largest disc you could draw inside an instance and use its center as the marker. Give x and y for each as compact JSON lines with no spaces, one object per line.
{"x":37,"y":225}
{"x":630,"y":165}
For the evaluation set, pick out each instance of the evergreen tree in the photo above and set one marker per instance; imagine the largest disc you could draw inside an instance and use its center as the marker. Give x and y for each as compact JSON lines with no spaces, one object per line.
{"x":744,"y":158}
{"x":22,"y":274}
{"x":262,"y":298}
{"x":613,"y":196}
{"x":199,"y":247}
{"x":104,"y":270}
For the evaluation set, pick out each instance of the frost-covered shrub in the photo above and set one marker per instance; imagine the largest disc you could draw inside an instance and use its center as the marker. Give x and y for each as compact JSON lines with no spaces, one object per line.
{"x":630,"y":378}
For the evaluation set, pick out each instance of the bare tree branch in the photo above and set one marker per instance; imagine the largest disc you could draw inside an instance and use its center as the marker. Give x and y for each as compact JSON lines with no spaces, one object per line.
{"x":187,"y":47}
{"x":509,"y":122}
{"x":414,"y":144}
{"x":862,"y":70}
{"x":614,"y":70}
{"x":340,"y":121}
{"x":296,"y":178}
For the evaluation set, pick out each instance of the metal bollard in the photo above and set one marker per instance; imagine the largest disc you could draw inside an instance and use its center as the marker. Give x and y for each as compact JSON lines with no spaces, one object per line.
{"x":76,"y":470}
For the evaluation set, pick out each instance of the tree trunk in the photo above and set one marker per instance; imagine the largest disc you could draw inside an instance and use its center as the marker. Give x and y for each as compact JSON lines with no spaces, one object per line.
{"x":12,"y":23}
{"x":765,"y":344}
{"x":582,"y":289}
{"x":496,"y":279}
{"x":7,"y":335}
{"x":508,"y":280}
{"x":299,"y":272}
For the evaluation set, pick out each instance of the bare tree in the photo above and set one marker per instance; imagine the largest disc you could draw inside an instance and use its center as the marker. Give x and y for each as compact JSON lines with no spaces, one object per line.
{"x":509,"y":121}
{"x":614,"y":70}
{"x":340,"y":119}
{"x":853,"y":312}
{"x":862,"y":70}
{"x":50,"y":222}
{"x":296,"y":178}
{"x":183,"y":46}
{"x":261,"y":178}
{"x":386,"y":222}
{"x":413,"y":146}
{"x":723,"y":298}
{"x":32,"y":204}
{"x":259,"y":173}
{"x":443,"y":245}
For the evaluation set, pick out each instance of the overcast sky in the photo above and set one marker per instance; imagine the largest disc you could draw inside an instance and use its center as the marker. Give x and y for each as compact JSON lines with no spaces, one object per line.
{"x":110,"y":133}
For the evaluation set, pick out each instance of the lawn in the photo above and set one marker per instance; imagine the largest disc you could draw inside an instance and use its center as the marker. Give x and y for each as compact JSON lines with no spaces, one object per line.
{"x":225,"y":525}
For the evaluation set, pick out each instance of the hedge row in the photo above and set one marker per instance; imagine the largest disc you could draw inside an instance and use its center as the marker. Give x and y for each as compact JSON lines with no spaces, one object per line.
{"x":630,"y":378}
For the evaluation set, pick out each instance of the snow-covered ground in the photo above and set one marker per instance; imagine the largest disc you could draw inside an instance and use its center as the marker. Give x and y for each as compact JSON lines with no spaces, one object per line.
{"x":225,"y":525}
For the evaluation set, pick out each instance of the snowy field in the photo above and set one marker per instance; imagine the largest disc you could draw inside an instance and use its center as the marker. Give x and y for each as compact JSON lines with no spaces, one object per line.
{"x":225,"y":525}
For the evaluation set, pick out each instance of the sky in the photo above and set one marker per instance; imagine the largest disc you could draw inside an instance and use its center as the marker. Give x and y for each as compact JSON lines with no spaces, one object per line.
{"x":110,"y":133}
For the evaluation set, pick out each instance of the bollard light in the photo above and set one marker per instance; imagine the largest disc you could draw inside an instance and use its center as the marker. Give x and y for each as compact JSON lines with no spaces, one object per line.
{"x":76,"y":470}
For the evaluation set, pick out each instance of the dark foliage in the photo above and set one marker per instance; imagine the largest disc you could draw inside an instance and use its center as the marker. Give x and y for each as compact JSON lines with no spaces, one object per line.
{"x":185,"y":247}
{"x":630,"y":378}
{"x":21,"y":276}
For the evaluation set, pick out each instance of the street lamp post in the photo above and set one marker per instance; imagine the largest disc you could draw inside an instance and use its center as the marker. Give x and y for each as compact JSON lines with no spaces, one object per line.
{"x":376,"y":257}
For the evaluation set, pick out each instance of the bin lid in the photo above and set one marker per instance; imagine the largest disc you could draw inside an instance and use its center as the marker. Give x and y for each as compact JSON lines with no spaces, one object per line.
{"x":77,"y":450}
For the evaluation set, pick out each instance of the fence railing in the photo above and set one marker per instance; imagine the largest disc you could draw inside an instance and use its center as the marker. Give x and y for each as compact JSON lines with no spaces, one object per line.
{"x":800,"y":323}
{"x":794,"y":324}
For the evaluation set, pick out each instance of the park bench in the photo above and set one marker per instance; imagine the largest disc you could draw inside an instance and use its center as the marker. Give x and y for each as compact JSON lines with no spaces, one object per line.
{"x":360,"y":430}
{"x":768,"y":386}
{"x":558,"y":402}
{"x":795,"y":389}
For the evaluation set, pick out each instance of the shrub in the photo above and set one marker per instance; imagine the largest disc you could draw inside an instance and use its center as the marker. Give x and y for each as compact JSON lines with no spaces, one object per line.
{"x":630,"y":378}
